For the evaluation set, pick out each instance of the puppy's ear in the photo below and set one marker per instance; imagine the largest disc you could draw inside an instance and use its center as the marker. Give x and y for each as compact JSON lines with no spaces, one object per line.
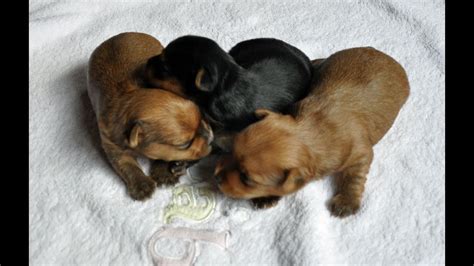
{"x":206,"y":79}
{"x":153,"y":63}
{"x":136,"y":134}
{"x":294,"y":179}
{"x":262,"y":113}
{"x":154,"y":60}
{"x":155,"y":66}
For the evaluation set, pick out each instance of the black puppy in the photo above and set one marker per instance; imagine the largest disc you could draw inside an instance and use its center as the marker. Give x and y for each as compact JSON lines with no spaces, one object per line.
{"x":229,"y":87}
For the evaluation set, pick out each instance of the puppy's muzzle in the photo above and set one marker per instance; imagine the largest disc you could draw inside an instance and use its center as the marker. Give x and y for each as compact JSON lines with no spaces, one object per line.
{"x":205,"y":131}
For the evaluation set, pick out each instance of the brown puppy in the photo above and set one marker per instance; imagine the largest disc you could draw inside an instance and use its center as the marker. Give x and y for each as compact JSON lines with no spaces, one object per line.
{"x":357,"y":94}
{"x":136,"y":121}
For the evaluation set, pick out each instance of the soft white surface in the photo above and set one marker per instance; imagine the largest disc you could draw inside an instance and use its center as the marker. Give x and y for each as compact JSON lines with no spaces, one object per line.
{"x":80,"y":212}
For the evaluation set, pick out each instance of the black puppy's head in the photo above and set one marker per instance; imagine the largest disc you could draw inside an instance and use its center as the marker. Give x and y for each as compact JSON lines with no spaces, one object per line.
{"x":191,"y":64}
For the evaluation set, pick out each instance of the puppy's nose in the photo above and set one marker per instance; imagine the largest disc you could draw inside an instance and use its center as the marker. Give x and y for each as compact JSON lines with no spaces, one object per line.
{"x":218,"y":178}
{"x":218,"y":171}
{"x":205,"y":131}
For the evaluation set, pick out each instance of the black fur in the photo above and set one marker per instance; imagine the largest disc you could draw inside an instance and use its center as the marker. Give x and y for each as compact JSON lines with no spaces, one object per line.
{"x":259,"y":73}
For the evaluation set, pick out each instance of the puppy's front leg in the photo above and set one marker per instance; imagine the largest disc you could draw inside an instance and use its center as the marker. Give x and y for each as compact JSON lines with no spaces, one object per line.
{"x":265,"y":202}
{"x":140,"y":186}
{"x":350,"y":187}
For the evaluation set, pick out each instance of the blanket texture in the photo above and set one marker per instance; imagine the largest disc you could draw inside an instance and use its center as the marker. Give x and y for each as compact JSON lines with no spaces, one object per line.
{"x":80,"y":213}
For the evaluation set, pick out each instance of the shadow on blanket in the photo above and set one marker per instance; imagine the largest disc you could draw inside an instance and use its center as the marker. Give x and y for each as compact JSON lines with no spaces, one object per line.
{"x":87,"y":122}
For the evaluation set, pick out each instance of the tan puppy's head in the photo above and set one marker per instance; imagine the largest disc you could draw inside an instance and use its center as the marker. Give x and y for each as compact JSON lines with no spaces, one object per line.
{"x":164,"y":126}
{"x":269,"y":159}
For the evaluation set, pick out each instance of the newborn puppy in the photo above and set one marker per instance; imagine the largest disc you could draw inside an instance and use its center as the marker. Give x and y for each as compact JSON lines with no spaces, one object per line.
{"x":136,"y":121}
{"x":229,"y":87}
{"x":356,"y":96}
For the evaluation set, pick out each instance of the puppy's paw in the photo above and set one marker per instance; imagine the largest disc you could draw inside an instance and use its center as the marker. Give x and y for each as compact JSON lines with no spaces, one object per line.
{"x":265,"y":203}
{"x":342,"y":205}
{"x":161,"y":173}
{"x":178,"y":168}
{"x":167,"y":180}
{"x":142,"y":189}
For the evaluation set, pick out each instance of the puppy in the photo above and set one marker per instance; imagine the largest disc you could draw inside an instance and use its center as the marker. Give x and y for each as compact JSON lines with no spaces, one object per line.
{"x":355,"y":98}
{"x":135,"y":121}
{"x":229,"y":87}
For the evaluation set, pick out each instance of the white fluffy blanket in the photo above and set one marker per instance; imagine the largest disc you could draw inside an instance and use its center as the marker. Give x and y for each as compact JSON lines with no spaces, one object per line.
{"x":80,"y":212}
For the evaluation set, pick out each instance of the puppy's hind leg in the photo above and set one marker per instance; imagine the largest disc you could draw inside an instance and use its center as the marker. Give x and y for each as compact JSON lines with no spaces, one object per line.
{"x":350,"y":185}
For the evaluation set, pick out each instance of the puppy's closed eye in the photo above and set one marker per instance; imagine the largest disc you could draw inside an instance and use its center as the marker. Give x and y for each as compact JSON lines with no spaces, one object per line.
{"x":244,"y":179}
{"x":185,"y":145}
{"x":284,"y":177}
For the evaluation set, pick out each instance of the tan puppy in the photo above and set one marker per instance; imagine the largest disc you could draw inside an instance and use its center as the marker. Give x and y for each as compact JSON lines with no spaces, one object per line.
{"x":137,"y":121}
{"x":356,"y":97}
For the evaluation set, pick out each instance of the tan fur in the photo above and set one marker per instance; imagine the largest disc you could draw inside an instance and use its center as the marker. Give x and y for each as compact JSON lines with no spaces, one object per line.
{"x":356,"y":96}
{"x":140,"y":121}
{"x":170,"y":84}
